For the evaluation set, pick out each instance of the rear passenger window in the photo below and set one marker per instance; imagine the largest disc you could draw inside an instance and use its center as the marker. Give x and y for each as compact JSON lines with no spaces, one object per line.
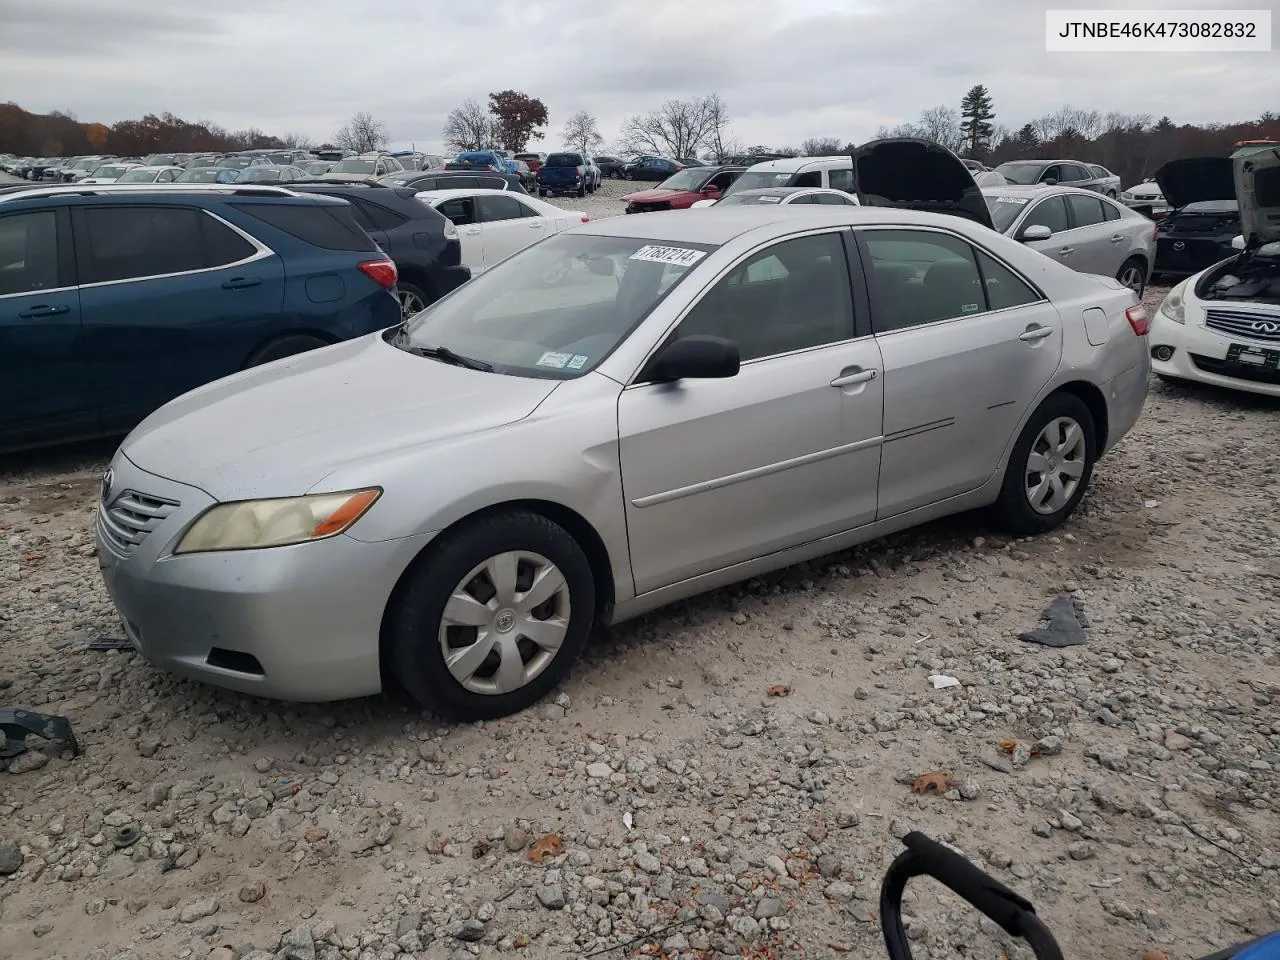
{"x":494,"y":209}
{"x":128,"y":243}
{"x":1110,"y":211}
{"x":28,"y":252}
{"x":460,"y":210}
{"x":841,"y":180}
{"x":222,"y":245}
{"x":327,"y":226}
{"x":382,"y":218}
{"x":1085,"y":211}
{"x":811,"y":179}
{"x":919,"y":277}
{"x":1004,"y":287}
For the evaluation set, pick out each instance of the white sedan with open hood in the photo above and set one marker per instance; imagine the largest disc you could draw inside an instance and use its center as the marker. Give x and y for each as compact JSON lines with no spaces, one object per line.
{"x":1222,"y":325}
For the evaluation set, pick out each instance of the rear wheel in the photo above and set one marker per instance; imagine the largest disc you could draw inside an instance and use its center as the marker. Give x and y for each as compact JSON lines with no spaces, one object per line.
{"x":582,"y":190}
{"x":284,"y":347}
{"x":492,"y":617}
{"x":1050,"y":466}
{"x":413,"y":299}
{"x":1133,"y":274}
{"x":541,"y":192}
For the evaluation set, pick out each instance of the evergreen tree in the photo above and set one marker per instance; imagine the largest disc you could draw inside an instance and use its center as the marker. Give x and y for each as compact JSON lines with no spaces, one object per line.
{"x":976,"y":114}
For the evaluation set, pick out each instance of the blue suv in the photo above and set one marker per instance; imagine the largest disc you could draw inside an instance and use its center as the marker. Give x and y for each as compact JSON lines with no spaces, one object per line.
{"x":114,"y":300}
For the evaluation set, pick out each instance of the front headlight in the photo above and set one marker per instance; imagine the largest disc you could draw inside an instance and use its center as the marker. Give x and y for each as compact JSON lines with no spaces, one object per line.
{"x":1173,"y":306}
{"x":254,"y":524}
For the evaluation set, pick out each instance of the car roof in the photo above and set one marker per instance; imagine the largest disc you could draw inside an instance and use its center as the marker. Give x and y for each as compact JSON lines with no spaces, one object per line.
{"x":793,"y":164}
{"x":784,"y":191}
{"x":471,"y":191}
{"x":1034,"y":190}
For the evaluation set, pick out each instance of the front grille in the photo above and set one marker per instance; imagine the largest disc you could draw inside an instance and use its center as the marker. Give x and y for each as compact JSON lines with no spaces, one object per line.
{"x":1237,"y":371}
{"x":1240,"y":323}
{"x":130,"y":519}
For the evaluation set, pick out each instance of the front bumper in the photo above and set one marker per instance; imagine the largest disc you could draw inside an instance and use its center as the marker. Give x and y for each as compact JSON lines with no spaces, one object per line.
{"x":291,"y":623}
{"x":1200,"y":354}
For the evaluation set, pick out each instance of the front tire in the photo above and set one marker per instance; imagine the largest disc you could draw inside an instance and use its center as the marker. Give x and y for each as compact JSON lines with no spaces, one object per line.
{"x":1111,"y":194}
{"x":1050,"y":467}
{"x":492,"y":617}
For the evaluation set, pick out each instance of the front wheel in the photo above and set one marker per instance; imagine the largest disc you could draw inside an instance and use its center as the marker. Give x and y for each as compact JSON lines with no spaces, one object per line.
{"x":492,"y":617}
{"x":1050,"y":466}
{"x":582,"y":190}
{"x":287,"y":346}
{"x":1133,"y":274}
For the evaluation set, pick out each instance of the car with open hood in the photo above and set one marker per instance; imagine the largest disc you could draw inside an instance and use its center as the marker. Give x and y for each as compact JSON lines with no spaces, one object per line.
{"x":682,"y":190}
{"x":1203,"y":218}
{"x":917,"y":174}
{"x":1222,"y":325}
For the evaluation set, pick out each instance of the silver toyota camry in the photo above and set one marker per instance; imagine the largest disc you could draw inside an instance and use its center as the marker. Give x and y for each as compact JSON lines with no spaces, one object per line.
{"x":452,"y":505}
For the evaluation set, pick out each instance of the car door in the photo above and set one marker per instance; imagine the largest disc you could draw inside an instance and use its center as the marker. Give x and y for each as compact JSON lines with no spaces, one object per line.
{"x":1050,"y":212}
{"x":172,"y":298}
{"x":508,"y":226}
{"x":718,"y":472}
{"x":1090,"y":236}
{"x":462,"y":211}
{"x":364,"y":214}
{"x":967,"y":344}
{"x":43,"y":360}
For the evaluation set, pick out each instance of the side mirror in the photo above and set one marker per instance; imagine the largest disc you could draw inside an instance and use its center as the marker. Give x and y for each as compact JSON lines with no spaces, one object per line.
{"x":1037,"y":231}
{"x":1237,"y":242}
{"x":1050,"y":181}
{"x":694,"y":358}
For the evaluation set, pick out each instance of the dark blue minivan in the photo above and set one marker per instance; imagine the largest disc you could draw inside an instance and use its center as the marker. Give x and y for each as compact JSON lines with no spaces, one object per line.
{"x":115,"y":300}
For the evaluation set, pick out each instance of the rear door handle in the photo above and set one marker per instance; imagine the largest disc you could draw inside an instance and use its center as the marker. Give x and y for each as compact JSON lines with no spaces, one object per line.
{"x":239,"y":283}
{"x":1035,"y":333}
{"x":1117,"y":238}
{"x":860,"y":376}
{"x":44,"y":310}
{"x":536,"y":225}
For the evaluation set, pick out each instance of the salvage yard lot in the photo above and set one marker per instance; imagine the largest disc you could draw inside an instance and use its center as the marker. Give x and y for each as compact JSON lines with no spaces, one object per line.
{"x":726,"y":775}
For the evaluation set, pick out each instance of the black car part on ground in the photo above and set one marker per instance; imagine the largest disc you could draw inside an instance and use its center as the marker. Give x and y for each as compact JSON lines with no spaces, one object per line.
{"x":17,"y":725}
{"x":414,"y":235}
{"x":916,"y":174}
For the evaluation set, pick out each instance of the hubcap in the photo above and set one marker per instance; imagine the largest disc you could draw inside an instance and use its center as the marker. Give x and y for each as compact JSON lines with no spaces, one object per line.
{"x":1055,"y":465}
{"x":410,"y":303}
{"x":505,"y":622}
{"x":1131,"y":277}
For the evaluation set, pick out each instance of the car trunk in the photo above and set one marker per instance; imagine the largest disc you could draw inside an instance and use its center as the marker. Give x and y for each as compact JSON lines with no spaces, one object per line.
{"x":916,"y":174}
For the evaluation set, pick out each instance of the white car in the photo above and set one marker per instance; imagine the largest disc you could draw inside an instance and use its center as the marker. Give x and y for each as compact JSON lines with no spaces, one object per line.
{"x":494,"y":224}
{"x":151,"y":175}
{"x":1222,"y":325}
{"x":108,"y":173}
{"x":784,"y":195}
{"x":1146,"y":195}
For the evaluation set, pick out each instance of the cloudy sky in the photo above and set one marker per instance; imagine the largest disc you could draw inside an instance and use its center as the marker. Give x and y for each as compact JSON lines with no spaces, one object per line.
{"x":787,"y":69}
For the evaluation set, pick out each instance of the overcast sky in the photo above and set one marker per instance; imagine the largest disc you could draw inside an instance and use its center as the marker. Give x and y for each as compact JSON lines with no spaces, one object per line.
{"x":787,"y":69}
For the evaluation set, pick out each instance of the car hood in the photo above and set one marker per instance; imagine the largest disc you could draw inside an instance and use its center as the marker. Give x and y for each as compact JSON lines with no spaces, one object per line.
{"x":1193,"y":179}
{"x":280,"y":429}
{"x":1257,"y":183}
{"x":656,"y":196}
{"x":917,"y":174}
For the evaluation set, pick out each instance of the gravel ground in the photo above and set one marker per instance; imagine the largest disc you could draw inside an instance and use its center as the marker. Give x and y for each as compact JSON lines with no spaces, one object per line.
{"x":724,"y":778}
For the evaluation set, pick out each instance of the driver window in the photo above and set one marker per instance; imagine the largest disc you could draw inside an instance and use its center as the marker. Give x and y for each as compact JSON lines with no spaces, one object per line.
{"x":1051,"y":213}
{"x":811,"y":179}
{"x":790,"y":296}
{"x":28,"y":252}
{"x":461,"y":210}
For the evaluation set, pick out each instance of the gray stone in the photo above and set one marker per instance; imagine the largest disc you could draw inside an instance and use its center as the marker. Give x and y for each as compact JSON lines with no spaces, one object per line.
{"x":198,"y":910}
{"x":551,"y":896}
{"x":469,"y":931}
{"x":10,"y":857}
{"x":28,"y":762}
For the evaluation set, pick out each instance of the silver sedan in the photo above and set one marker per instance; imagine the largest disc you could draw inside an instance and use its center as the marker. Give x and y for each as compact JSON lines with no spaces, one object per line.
{"x":452,"y":505}
{"x":1079,"y":229}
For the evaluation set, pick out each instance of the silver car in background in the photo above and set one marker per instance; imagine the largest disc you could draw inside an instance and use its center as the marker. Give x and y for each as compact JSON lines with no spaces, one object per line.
{"x":1079,"y":229}
{"x":452,"y":505}
{"x":1070,"y":173}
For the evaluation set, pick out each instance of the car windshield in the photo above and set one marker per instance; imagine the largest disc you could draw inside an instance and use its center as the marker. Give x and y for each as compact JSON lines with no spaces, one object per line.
{"x":564,"y":160}
{"x":1005,"y":209}
{"x":140,"y":176}
{"x":1024,"y":173}
{"x":685,"y":180}
{"x":83,"y":164}
{"x":765,"y":198}
{"x":237,"y":163}
{"x":353,"y":166}
{"x":760,"y":180}
{"x":200,"y":175}
{"x":557,"y":308}
{"x":318,"y":167}
{"x":159,"y":160}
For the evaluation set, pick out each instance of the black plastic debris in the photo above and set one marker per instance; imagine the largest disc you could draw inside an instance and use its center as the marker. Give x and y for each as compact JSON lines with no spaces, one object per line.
{"x":17,"y":725}
{"x":109,"y":643}
{"x":1065,"y":624}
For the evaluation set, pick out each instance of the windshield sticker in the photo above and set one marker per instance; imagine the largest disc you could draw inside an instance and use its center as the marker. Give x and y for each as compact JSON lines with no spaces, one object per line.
{"x":1018,"y":200}
{"x":971,"y":308}
{"x":679,"y":256}
{"x":557,"y":360}
{"x":578,"y":362}
{"x":768,"y":199}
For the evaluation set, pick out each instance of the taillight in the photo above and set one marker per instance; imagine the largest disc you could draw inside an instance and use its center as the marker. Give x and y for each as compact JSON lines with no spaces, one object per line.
{"x":1137,"y":317}
{"x":381,"y":272}
{"x":586,"y":219}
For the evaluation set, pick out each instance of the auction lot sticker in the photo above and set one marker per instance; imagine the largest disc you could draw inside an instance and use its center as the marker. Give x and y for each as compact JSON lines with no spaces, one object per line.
{"x":678,"y":256}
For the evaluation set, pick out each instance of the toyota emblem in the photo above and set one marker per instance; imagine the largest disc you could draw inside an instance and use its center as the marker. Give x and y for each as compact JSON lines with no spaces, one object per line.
{"x":1265,"y":326}
{"x":107,"y":479}
{"x":1179,"y":245}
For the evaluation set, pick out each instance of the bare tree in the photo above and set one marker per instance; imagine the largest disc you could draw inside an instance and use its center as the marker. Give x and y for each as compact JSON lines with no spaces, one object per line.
{"x":941,"y":124}
{"x":469,"y":126}
{"x":1080,"y":123}
{"x":362,"y":133}
{"x":582,"y":132}
{"x":820,"y":146}
{"x":678,"y":128}
{"x":298,"y":141}
{"x":718,"y":118}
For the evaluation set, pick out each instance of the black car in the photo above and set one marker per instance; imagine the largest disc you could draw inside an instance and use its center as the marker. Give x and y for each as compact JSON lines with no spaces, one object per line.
{"x":1203,"y":217}
{"x":454,"y":180}
{"x":610,"y":167}
{"x":423,"y":244}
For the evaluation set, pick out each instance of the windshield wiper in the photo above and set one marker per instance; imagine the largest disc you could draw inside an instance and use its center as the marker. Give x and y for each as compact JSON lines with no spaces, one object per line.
{"x":445,"y":355}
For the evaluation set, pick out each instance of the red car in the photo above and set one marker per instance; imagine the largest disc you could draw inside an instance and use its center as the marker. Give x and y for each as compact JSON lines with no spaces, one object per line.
{"x":682,"y":190}
{"x":534,"y":160}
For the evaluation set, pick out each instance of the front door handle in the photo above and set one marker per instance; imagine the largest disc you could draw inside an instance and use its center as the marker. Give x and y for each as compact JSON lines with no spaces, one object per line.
{"x":1035,"y":333}
{"x":472,"y":232}
{"x":44,"y":310}
{"x":858,"y":376}
{"x":1116,"y":239}
{"x":239,"y":283}
{"x":1066,"y":251}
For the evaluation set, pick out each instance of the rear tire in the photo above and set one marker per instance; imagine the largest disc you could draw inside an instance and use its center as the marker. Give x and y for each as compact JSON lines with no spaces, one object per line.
{"x":1133,"y":274}
{"x":413,"y":299}
{"x":542,"y":193}
{"x":1049,"y":468}
{"x":287,"y":346}
{"x":418,"y":627}
{"x":582,"y":190}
